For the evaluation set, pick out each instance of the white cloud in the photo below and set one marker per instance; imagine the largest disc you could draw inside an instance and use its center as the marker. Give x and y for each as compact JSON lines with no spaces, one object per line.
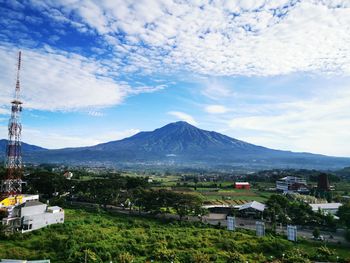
{"x":95,"y":114}
{"x":312,"y":125}
{"x":183,"y":117}
{"x":61,"y":139}
{"x":218,"y":37}
{"x":216,"y":109}
{"x":56,"y":80}
{"x":216,"y":90}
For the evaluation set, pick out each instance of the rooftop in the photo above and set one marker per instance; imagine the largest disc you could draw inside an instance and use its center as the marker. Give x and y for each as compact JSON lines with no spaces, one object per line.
{"x":255,"y":205}
{"x":291,"y":178}
{"x":31,"y":203}
{"x":315,"y":207}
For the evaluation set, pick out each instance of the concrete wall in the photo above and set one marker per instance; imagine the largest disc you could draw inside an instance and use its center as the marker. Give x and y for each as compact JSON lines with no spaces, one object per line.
{"x":33,"y":210}
{"x":33,"y":222}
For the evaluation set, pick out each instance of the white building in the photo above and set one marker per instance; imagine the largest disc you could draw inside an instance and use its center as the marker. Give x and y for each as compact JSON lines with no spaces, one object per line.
{"x":252,"y":209}
{"x":331,"y":208}
{"x":33,"y":215}
{"x":292,"y":184}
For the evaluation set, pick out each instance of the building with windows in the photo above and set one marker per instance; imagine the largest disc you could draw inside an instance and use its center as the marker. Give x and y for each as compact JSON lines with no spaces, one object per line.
{"x":33,"y":215}
{"x":292,"y":184}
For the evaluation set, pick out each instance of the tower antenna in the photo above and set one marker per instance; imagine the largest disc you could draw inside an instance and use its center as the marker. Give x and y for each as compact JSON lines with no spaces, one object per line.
{"x":12,"y":183}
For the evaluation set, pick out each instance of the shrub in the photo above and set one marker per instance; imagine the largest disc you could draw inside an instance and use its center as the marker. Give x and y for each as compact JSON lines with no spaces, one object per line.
{"x":125,"y":258}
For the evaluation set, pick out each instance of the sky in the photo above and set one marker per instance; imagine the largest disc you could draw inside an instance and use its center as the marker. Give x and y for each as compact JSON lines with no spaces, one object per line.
{"x":273,"y":73}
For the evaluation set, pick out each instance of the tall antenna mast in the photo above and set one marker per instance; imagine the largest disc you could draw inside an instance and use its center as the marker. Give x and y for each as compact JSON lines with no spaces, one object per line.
{"x":12,"y":183}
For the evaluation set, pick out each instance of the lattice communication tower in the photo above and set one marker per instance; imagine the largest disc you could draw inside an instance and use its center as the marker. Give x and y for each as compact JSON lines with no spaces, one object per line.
{"x":12,"y":183}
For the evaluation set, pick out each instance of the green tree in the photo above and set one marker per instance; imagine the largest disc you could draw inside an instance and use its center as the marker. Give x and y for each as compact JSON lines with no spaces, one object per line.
{"x":235,"y":257}
{"x":186,"y":204}
{"x":125,"y":257}
{"x":325,"y":253}
{"x":344,"y":214}
{"x":316,"y":232}
{"x":200,"y":258}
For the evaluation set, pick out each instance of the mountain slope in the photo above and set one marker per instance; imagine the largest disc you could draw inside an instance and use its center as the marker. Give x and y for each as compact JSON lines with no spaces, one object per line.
{"x":26,"y":148}
{"x":181,"y":144}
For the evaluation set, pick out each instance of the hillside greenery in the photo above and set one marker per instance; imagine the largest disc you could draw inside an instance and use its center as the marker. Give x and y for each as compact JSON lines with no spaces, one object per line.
{"x":100,"y":236}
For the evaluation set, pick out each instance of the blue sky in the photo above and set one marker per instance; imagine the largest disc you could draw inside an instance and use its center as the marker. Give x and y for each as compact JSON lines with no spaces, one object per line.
{"x":274,"y":73}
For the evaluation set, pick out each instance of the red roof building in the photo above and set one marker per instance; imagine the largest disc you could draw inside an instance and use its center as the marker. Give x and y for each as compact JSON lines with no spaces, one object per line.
{"x":242,"y":185}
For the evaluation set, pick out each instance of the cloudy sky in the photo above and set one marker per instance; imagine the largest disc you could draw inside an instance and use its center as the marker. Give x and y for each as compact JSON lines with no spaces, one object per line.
{"x":274,"y":73}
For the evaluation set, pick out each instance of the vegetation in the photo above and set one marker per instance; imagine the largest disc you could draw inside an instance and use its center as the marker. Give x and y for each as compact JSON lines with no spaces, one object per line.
{"x":287,"y":210}
{"x":344,"y":216}
{"x":100,"y":236}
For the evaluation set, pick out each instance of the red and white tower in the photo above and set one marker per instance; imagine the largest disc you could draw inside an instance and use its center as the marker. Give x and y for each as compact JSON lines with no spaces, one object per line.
{"x":12,"y":183}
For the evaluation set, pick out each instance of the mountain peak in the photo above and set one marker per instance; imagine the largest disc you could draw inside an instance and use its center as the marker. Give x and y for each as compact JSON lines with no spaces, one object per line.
{"x":179,"y":124}
{"x":182,"y":144}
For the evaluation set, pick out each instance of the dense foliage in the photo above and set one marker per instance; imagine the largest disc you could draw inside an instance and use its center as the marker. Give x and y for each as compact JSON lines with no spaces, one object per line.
{"x":288,"y":210}
{"x":102,"y":237}
{"x":344,"y":216}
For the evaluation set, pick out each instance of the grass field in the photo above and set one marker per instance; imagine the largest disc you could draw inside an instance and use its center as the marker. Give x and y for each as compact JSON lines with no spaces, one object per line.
{"x":103,"y":237}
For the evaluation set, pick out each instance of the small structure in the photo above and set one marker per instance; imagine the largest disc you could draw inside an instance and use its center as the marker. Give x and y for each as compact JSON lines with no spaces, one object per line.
{"x":68,"y":175}
{"x":253,"y":209}
{"x":242,"y":185}
{"x":292,"y":184}
{"x":292,"y":233}
{"x":231,"y":223}
{"x":260,"y":228}
{"x":33,"y":215}
{"x":330,"y":208}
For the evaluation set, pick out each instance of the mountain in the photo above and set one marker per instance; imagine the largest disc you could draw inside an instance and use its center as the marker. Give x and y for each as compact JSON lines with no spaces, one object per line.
{"x":180,"y":144}
{"x":26,"y":148}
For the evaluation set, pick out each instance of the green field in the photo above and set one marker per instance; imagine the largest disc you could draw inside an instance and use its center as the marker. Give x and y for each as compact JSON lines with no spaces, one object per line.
{"x":103,"y":237}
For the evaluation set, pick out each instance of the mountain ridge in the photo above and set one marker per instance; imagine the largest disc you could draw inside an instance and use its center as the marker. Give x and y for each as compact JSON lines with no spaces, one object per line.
{"x":182,"y":144}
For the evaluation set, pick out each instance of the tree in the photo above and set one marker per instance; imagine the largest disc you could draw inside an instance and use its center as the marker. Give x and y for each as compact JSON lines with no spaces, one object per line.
{"x":344,"y":214}
{"x":200,"y":258}
{"x":235,"y":257}
{"x":125,"y":258}
{"x":316,"y":232}
{"x":277,"y":209}
{"x":186,"y":204}
{"x":325,"y":253}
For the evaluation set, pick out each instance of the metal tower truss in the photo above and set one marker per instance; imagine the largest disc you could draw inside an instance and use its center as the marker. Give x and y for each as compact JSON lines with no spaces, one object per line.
{"x":12,"y":183}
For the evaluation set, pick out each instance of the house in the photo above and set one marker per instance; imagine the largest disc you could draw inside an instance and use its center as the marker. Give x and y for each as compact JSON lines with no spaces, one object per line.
{"x":68,"y":175}
{"x":252,"y":209}
{"x":292,"y":184}
{"x":331,"y":208}
{"x":10,"y":201}
{"x":33,"y":215}
{"x":242,"y":185}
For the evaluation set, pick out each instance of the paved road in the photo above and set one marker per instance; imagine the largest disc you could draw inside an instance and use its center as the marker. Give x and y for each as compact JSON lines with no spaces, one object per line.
{"x":215,"y":219}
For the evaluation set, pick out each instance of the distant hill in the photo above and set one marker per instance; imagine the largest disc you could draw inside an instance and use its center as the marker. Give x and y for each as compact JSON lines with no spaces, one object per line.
{"x":26,"y":148}
{"x":180,"y":144}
